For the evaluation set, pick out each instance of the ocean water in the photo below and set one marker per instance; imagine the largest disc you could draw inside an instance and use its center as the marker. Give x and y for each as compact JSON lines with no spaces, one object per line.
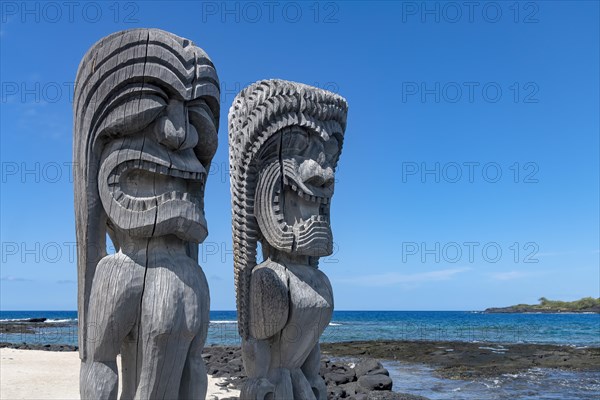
{"x":562,"y":329}
{"x":579,"y":330}
{"x":535,"y":383}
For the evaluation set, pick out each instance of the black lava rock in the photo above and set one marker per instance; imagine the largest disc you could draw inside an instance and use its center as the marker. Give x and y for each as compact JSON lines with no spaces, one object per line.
{"x":375,"y":382}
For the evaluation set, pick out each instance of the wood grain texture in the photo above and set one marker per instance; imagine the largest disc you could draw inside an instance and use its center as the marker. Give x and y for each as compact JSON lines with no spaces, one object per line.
{"x":285,"y":139}
{"x":146,"y":113}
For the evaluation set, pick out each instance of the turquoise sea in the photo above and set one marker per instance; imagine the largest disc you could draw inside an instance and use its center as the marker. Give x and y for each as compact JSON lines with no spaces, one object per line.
{"x":563,"y":329}
{"x":578,"y":330}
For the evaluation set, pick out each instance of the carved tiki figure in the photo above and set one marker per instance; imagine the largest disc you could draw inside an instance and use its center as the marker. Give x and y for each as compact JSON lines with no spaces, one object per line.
{"x":146,"y":111}
{"x":285,"y":139}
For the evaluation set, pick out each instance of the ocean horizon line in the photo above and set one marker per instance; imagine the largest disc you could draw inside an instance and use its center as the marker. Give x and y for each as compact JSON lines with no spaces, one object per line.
{"x":469,"y":310}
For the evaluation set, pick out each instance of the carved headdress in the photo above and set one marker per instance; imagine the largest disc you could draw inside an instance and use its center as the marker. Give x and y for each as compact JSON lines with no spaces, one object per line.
{"x":123,"y":83}
{"x":259,"y":112}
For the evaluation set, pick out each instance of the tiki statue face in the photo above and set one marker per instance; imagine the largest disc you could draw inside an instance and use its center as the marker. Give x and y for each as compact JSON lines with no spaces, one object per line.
{"x":295,"y":189}
{"x":146,"y":115}
{"x":285,"y":139}
{"x":147,"y":112}
{"x":152,"y":180}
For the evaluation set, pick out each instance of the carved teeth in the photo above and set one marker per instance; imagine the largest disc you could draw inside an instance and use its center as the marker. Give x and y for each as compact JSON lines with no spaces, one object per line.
{"x":150,"y":166}
{"x":136,"y":202}
{"x":138,"y":205}
{"x":156,"y":168}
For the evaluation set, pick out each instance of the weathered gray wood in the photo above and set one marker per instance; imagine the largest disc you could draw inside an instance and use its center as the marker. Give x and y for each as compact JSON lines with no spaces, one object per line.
{"x":146,"y":114}
{"x":284,"y":143}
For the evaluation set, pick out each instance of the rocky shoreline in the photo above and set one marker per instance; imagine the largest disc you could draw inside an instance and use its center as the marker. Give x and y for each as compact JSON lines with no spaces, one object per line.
{"x":466,"y":360}
{"x":46,"y":347}
{"x":586,"y":305}
{"x":537,"y":310}
{"x":352,"y":370}
{"x":366,"y":379}
{"x":29,"y":326}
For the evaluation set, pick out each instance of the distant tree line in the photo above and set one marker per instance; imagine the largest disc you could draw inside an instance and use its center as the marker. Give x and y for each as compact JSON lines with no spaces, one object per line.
{"x":577,"y":305}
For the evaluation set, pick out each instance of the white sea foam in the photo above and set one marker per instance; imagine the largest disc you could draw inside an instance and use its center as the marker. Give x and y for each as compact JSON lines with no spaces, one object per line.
{"x":223,"y":322}
{"x":235,"y":322}
{"x":50,"y":321}
{"x":494,"y":349}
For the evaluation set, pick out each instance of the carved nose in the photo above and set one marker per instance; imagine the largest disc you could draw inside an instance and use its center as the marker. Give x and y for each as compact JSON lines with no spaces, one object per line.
{"x":173,"y":130}
{"x":312,"y":173}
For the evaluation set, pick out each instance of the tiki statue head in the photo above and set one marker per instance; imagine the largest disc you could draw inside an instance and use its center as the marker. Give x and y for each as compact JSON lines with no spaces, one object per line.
{"x":146,"y":110}
{"x":285,"y":139}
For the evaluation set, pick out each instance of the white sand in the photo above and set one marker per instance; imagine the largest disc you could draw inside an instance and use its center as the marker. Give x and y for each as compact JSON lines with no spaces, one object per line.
{"x":36,"y":374}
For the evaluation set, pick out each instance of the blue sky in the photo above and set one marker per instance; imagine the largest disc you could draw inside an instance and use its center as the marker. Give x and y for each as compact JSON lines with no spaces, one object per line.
{"x":470,"y":171}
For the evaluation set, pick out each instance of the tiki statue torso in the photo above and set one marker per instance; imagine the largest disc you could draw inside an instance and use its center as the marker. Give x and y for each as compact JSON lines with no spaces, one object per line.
{"x":285,"y":140}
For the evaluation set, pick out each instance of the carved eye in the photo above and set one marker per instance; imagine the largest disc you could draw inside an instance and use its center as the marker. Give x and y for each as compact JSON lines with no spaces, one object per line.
{"x":295,"y":140}
{"x":133,"y":108}
{"x":133,"y":115}
{"x":200,"y":117}
{"x":332,"y":148}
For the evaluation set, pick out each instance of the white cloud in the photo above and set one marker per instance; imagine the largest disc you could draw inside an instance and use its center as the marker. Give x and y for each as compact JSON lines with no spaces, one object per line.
{"x":394,"y":278}
{"x":10,"y":278}
{"x":510,"y":275}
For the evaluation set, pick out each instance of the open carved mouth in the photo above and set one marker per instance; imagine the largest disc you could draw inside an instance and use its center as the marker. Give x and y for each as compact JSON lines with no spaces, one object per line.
{"x":305,"y":203}
{"x":292,"y":212}
{"x":139,"y":185}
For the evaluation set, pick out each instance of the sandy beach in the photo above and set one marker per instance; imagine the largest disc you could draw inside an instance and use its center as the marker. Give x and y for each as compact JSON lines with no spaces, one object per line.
{"x":37,"y":374}
{"x":42,"y":374}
